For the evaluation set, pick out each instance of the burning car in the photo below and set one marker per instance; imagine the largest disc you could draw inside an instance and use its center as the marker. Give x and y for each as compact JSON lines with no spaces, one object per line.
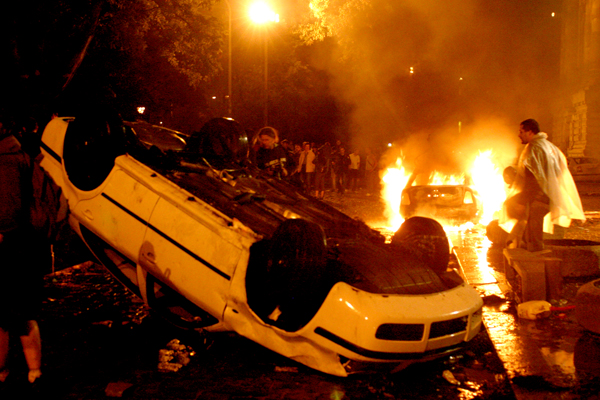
{"x":454,"y":203}
{"x":209,"y":241}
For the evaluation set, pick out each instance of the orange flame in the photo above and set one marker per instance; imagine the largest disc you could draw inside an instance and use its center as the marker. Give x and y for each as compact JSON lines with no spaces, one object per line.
{"x":486,"y":180}
{"x":394,"y":179}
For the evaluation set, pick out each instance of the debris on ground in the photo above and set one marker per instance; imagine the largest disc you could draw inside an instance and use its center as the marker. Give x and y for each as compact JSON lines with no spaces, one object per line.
{"x":175,"y":356}
{"x":116,"y":389}
{"x":534,"y":309}
{"x":286,"y":369}
{"x":449,"y":376}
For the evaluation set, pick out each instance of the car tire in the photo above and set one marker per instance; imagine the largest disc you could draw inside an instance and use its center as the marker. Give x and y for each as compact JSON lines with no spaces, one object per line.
{"x":427,"y":238}
{"x":291,"y":275}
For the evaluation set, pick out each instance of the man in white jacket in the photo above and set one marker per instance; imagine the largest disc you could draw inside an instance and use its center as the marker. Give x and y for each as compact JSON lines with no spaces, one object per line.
{"x":306,"y":167}
{"x":543,"y":193}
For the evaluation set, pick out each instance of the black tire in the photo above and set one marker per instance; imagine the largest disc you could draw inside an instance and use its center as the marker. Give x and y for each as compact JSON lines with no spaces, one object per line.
{"x":427,"y":238}
{"x":290,"y":273}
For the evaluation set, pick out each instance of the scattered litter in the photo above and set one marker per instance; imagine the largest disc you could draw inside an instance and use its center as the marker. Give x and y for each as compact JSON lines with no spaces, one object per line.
{"x":565,"y":308}
{"x":450,"y":377}
{"x":105,"y":323}
{"x":116,"y":389}
{"x":286,"y":369}
{"x":534,"y":309}
{"x":174,"y":357}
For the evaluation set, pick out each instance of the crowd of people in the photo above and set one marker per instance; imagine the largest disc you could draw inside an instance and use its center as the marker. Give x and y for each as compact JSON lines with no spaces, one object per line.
{"x":316,"y":168}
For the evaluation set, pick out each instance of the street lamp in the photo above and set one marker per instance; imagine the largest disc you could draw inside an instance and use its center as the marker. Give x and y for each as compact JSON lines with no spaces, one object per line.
{"x":262,"y":14}
{"x":229,"y":113}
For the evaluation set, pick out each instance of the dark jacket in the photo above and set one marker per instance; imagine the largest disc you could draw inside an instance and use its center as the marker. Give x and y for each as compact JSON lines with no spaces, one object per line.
{"x":14,"y":170}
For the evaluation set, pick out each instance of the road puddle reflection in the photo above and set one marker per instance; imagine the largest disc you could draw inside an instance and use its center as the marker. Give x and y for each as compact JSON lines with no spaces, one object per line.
{"x":550,"y":354}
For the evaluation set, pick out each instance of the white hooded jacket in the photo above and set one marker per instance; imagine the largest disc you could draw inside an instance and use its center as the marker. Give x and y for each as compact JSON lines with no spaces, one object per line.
{"x":549,"y":166}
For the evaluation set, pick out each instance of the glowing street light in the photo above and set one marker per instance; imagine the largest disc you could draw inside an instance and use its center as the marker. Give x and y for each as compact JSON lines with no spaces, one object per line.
{"x":229,"y":111}
{"x":261,"y":13}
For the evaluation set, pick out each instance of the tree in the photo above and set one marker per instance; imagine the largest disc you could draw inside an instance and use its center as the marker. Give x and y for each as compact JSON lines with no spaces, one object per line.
{"x":142,"y":50}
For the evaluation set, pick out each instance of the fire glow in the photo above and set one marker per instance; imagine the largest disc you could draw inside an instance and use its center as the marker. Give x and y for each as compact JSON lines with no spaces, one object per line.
{"x":394,"y":179}
{"x":486,"y":180}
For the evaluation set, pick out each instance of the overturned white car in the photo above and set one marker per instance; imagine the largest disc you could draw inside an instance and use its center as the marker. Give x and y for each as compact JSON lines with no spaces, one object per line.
{"x":205,"y":238}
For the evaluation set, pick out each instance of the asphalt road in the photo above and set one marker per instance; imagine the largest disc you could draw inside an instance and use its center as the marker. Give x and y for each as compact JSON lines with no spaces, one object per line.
{"x":99,"y":341}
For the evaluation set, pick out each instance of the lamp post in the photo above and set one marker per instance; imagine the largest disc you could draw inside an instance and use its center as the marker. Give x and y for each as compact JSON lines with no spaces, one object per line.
{"x":229,"y":112}
{"x":262,"y":14}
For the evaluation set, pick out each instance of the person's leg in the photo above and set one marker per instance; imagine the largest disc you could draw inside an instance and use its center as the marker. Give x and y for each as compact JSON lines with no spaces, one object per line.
{"x":32,"y":348}
{"x":4,"y":338}
{"x":535,"y":226}
{"x":517,"y":208}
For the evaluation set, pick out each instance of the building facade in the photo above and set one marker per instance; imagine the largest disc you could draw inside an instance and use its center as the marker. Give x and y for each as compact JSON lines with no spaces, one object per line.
{"x":577,"y":121}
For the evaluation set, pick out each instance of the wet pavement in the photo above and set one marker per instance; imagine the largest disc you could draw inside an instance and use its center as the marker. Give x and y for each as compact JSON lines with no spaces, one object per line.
{"x":101,"y":342}
{"x":547,"y":358}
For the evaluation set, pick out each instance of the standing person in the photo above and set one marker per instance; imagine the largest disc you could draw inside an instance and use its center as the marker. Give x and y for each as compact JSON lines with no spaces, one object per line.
{"x":353,"y":171}
{"x":270,"y":156}
{"x":289,"y":151}
{"x":334,"y":152}
{"x":19,"y":287}
{"x":321,"y":171}
{"x":29,"y":136}
{"x":340,"y":163}
{"x":306,"y":167}
{"x":371,"y":172}
{"x":362,"y":169}
{"x":296,"y":154}
{"x":543,"y":193}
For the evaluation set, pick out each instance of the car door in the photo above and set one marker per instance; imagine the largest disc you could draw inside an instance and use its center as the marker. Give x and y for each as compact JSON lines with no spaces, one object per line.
{"x":192,"y":249}
{"x":108,"y":193}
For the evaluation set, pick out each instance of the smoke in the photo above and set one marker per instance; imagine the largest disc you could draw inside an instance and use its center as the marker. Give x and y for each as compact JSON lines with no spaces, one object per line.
{"x":451,"y":152}
{"x":412,"y":70}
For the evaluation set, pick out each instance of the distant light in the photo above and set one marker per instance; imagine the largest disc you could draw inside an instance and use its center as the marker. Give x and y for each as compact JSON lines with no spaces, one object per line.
{"x":553,"y":14}
{"x":141,"y":110}
{"x":260,"y":13}
{"x":160,"y":123}
{"x":460,"y":79}
{"x":389,"y":145}
{"x":214,"y":97}
{"x":412,"y":70}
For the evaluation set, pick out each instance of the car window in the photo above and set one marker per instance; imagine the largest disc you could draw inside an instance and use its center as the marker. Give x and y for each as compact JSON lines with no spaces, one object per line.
{"x":152,"y":135}
{"x":90,"y":148}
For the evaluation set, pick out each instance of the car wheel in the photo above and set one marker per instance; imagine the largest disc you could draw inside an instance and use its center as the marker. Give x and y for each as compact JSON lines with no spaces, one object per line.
{"x":427,"y":238}
{"x":287,"y":285}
